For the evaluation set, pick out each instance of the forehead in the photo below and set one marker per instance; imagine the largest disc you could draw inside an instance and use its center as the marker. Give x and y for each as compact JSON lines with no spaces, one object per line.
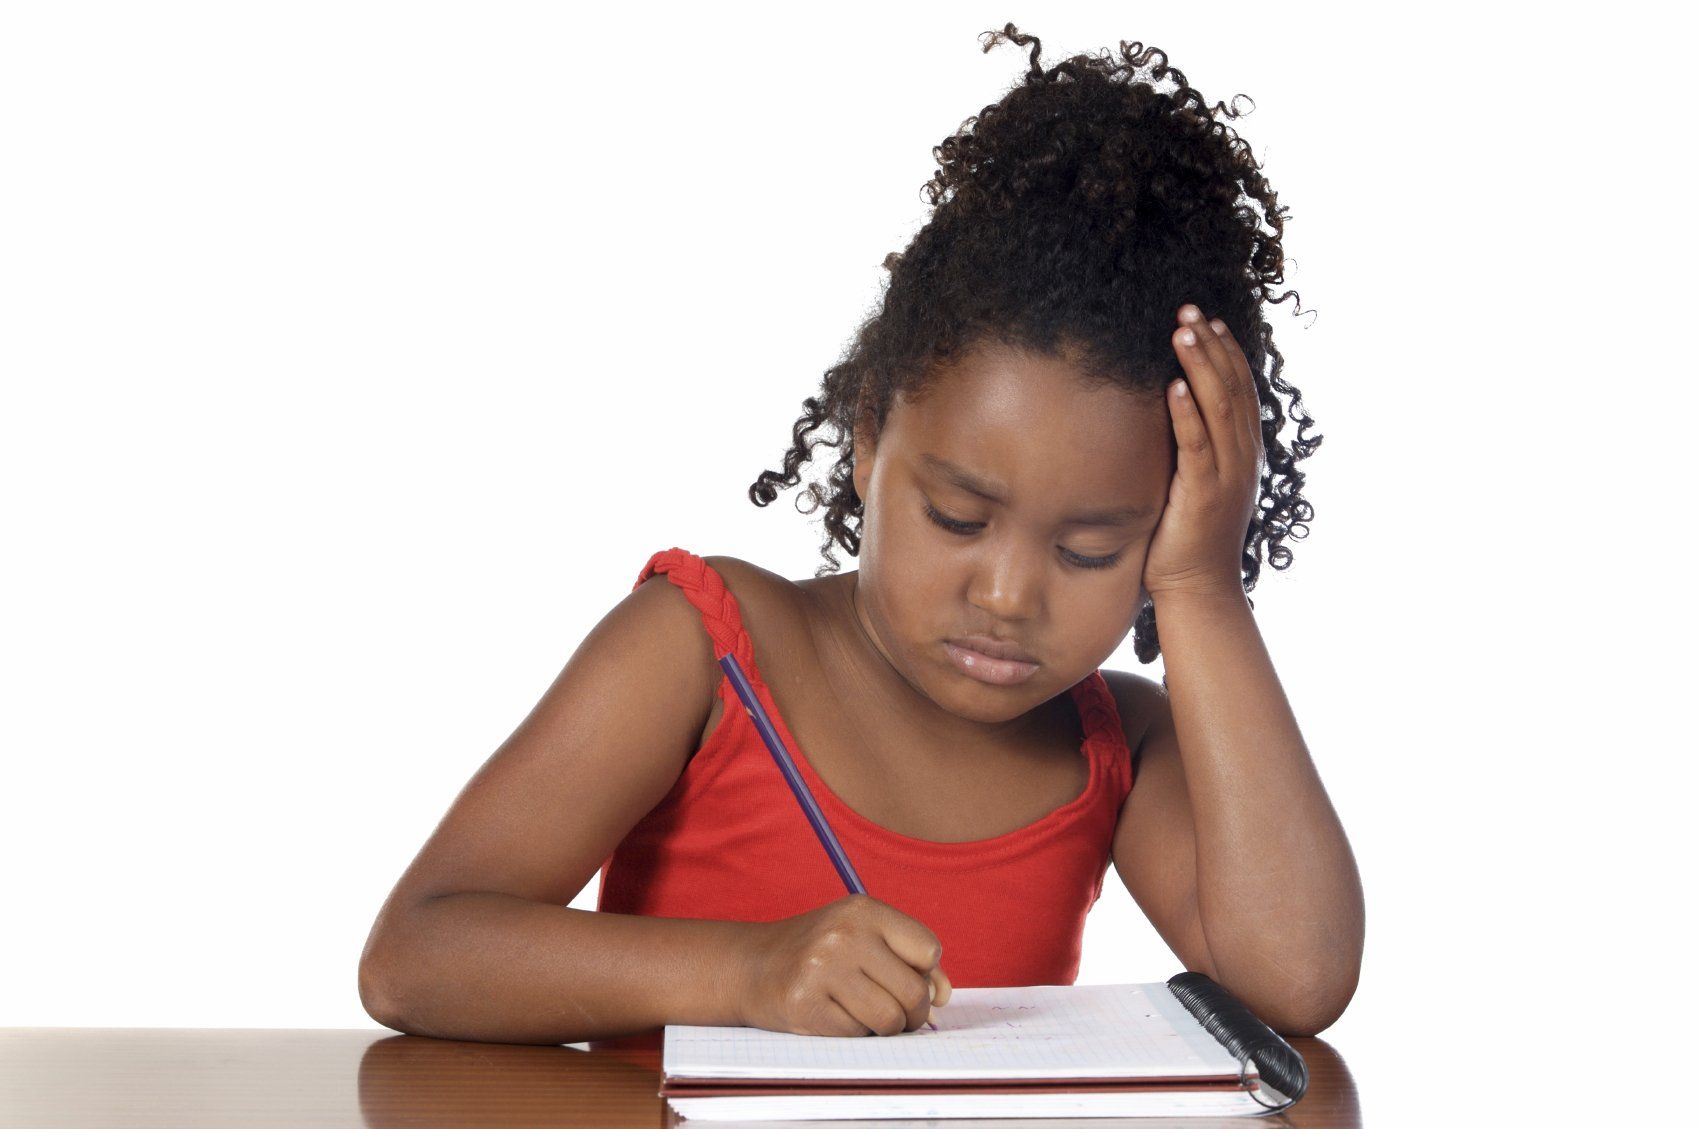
{"x":1021,"y":415}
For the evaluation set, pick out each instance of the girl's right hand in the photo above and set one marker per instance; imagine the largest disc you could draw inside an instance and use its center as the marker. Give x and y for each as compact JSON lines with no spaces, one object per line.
{"x":851,"y":967}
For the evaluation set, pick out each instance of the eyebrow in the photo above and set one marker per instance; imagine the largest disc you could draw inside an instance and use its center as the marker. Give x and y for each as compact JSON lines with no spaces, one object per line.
{"x":963,"y":479}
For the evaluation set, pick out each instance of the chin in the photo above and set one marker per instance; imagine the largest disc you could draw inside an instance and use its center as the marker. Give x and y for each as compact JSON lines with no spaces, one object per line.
{"x":991,"y":705}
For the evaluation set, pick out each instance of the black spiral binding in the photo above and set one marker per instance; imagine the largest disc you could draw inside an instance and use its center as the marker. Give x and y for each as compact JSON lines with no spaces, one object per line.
{"x":1245,"y":1036}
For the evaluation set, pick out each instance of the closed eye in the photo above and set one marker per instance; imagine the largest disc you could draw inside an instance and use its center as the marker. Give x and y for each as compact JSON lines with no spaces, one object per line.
{"x":969,"y":528}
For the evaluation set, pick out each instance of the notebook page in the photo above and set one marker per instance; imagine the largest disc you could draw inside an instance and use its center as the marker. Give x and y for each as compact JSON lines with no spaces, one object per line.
{"x":1044,"y":1031}
{"x":969,"y":1110}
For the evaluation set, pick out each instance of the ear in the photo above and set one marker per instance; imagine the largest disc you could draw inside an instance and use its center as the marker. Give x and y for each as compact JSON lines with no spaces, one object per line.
{"x":862,"y":446}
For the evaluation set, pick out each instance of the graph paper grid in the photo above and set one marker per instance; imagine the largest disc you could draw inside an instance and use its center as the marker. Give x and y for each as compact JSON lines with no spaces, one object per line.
{"x":1044,"y":1031}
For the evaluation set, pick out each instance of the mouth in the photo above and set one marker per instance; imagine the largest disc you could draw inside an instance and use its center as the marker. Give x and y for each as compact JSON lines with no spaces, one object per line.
{"x":989,"y":661}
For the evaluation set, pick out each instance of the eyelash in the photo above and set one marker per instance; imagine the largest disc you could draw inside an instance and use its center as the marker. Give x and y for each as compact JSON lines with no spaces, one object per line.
{"x":964,"y":528}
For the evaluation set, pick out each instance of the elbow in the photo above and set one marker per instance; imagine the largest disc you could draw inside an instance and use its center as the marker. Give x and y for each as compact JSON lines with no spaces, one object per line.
{"x":381,"y":992}
{"x":1303,"y":998}
{"x":379,"y":998}
{"x":1303,"y":1024}
{"x":1312,"y":1012}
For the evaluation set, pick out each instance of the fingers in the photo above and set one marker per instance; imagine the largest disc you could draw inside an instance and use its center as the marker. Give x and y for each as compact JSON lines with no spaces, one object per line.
{"x":915,"y":944}
{"x":836,"y":1021}
{"x":911,"y":990}
{"x":872,"y":1004}
{"x":1215,"y":347}
{"x":1221,"y":386}
{"x":917,"y":952}
{"x":1202,"y":380}
{"x":1236,"y":358}
{"x":1193,"y":451}
{"x":1245,"y":385}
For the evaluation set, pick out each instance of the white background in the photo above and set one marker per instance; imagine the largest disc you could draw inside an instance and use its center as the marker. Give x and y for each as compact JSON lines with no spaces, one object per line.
{"x":357,"y":356}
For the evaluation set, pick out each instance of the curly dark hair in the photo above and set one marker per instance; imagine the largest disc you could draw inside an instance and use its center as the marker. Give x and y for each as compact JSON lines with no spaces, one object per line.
{"x":1071,"y":219}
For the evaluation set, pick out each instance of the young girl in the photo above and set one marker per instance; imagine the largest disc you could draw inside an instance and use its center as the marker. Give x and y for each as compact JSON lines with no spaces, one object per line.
{"x":1063,"y":423}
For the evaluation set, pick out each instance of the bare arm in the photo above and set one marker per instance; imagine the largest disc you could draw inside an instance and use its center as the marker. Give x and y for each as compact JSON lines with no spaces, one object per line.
{"x":1229,"y":841}
{"x":476,"y":942}
{"x":497,"y":968}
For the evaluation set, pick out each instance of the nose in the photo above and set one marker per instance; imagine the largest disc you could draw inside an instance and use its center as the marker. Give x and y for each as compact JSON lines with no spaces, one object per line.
{"x":1008,"y":585}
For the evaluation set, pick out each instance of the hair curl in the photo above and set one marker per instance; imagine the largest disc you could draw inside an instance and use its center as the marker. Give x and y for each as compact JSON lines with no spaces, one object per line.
{"x":1071,"y":219}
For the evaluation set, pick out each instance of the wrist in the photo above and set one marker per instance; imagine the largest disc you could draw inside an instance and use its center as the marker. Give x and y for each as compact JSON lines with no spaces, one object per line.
{"x":1220,"y":593}
{"x":735,"y":978}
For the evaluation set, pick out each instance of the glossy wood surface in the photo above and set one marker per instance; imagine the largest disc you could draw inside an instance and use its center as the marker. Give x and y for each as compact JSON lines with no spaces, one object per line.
{"x":117,"y":1078}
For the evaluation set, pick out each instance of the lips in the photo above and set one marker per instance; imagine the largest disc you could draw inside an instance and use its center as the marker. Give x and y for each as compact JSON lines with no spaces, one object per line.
{"x":989,"y":660}
{"x":992,"y":648}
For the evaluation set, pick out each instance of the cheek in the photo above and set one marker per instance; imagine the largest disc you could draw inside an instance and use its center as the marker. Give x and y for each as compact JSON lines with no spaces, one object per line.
{"x":900,"y":564}
{"x":903,"y":541}
{"x":1101,"y":620}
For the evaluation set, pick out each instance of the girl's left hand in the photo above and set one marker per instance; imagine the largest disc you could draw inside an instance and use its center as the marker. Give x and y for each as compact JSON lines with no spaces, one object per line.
{"x":1219,"y":439}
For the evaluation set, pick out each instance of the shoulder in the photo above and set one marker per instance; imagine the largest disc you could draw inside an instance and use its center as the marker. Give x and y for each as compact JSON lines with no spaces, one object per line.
{"x":748,"y":577}
{"x":662,"y":628}
{"x":770,"y":606}
{"x":1140,"y":701}
{"x":760,"y":594}
{"x":749,"y":584}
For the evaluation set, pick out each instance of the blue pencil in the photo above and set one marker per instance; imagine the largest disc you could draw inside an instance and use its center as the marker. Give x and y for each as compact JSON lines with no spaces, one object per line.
{"x":788,"y":768}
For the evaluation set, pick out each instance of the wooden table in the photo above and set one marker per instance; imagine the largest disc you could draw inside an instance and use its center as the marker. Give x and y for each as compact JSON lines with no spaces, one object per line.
{"x":117,"y":1078}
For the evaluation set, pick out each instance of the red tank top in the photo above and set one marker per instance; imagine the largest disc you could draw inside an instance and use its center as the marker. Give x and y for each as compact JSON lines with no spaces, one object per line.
{"x":730,"y":842}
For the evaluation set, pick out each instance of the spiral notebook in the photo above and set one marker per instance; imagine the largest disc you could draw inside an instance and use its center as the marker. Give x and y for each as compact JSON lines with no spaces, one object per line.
{"x":1182,"y":1048}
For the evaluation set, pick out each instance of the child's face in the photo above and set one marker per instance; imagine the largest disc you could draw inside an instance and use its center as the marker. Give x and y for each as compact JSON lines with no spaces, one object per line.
{"x":1053,"y":448}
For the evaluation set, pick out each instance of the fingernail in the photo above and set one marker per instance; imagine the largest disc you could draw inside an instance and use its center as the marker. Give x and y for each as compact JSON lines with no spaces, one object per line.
{"x":1220,"y":326}
{"x":932,"y":1019}
{"x":1188,"y":337}
{"x":1191,"y":313}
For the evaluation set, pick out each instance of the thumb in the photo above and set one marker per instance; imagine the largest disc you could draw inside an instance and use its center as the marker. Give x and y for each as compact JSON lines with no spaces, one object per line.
{"x":941,"y":987}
